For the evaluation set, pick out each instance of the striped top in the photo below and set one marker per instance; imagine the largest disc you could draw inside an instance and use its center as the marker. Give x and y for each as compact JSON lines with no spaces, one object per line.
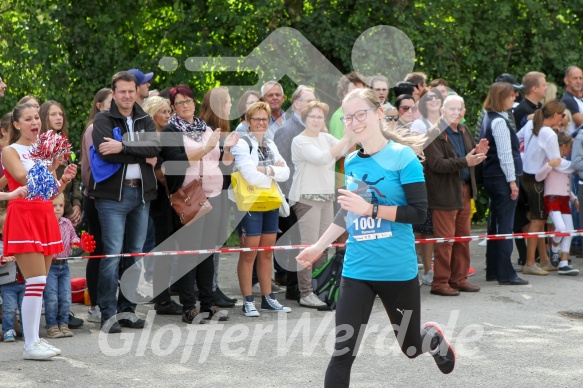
{"x":68,"y":236}
{"x":504,"y":146}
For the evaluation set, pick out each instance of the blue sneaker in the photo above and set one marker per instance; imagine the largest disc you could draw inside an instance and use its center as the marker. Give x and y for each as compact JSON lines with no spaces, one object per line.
{"x":270,"y":304}
{"x":567,"y":270}
{"x":10,"y":336}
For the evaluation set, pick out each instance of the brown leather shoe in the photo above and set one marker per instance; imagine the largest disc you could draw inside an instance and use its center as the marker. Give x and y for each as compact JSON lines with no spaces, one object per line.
{"x":444,"y":291}
{"x":465,"y":287}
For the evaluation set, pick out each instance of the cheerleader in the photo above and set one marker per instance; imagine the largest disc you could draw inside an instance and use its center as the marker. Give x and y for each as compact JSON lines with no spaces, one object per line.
{"x":32,"y":233}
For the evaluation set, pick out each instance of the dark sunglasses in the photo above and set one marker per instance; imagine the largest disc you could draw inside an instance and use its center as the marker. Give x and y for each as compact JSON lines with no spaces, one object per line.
{"x":391,"y":118}
{"x":432,"y":97}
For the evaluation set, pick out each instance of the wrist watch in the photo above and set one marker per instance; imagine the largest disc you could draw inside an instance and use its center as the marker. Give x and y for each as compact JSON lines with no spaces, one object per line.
{"x":375,"y":211}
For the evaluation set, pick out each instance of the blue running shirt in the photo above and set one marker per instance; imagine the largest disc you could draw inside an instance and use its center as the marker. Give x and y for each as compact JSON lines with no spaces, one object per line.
{"x":380,"y":250}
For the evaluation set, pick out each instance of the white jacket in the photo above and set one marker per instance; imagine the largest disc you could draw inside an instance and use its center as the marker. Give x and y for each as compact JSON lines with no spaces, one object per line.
{"x":246,"y":162}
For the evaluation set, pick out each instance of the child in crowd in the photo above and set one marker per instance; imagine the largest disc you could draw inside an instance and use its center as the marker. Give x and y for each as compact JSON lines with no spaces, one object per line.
{"x":57,"y":294}
{"x":557,"y":176}
{"x":12,"y":288}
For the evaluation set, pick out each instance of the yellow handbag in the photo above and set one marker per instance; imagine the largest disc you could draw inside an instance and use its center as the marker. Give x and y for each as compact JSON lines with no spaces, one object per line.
{"x":251,"y":198}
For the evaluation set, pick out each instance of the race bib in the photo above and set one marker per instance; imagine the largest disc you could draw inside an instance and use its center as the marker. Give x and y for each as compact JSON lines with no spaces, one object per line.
{"x":363,"y":228}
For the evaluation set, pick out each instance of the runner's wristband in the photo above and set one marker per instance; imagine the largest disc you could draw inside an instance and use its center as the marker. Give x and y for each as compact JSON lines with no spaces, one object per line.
{"x":375,"y":211}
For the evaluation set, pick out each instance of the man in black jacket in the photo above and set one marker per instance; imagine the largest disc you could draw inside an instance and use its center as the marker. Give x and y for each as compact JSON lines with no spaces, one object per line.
{"x":123,"y":199}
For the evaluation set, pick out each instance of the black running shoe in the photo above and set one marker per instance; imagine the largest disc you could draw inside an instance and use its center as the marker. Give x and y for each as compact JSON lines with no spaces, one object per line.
{"x":442,"y":351}
{"x":171,"y":308}
{"x":131,"y":320}
{"x":74,"y":322}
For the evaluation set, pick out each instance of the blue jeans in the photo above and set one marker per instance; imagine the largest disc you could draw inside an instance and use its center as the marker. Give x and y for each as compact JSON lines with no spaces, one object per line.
{"x":123,"y":230}
{"x":12,"y":295}
{"x":501,"y":221}
{"x":258,"y":223}
{"x":57,"y":295}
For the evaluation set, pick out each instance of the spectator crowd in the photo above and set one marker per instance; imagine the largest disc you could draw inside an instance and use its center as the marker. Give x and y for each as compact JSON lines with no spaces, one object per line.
{"x":140,"y":147}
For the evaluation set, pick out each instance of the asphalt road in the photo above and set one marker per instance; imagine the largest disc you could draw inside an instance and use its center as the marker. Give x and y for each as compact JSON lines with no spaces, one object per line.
{"x":505,"y":336}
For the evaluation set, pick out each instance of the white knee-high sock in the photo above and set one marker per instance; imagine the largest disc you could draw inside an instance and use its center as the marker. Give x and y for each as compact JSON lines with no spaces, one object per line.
{"x":31,"y":308}
{"x":566,"y":241}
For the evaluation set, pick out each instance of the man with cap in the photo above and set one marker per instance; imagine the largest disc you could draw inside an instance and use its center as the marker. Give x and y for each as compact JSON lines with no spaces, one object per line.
{"x":143,"y":85}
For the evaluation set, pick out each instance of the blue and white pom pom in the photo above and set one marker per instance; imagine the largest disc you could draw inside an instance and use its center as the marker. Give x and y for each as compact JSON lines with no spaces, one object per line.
{"x":41,"y":183}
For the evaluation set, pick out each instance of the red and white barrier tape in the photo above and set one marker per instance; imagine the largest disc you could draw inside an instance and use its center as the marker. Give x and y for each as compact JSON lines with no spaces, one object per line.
{"x":512,"y":236}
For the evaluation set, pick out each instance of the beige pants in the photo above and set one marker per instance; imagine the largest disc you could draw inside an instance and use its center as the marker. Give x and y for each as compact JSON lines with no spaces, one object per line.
{"x":314,"y":217}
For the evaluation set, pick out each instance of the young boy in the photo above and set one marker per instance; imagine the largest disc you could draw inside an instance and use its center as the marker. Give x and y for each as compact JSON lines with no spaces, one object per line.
{"x":57,"y":294}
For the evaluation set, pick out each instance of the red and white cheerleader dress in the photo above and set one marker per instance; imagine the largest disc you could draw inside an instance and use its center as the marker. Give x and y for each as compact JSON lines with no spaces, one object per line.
{"x":30,"y":225}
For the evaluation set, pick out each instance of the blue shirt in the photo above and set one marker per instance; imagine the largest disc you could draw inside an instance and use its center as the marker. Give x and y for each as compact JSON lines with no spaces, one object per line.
{"x":380,"y":179}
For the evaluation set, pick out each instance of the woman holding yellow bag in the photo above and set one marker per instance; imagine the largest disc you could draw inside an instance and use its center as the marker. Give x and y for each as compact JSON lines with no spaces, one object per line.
{"x":259,"y":163}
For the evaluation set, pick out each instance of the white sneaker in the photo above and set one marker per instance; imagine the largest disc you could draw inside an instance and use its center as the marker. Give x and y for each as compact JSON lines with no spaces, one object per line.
{"x":311,"y":300}
{"x":38,"y":351}
{"x":276,"y":288}
{"x":54,"y":349}
{"x":256,"y":289}
{"x":249,"y":309}
{"x":483,"y":243}
{"x":94,"y":316}
{"x":427,"y":278}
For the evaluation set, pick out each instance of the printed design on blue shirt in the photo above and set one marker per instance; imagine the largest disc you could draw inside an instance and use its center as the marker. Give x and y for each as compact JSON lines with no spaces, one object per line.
{"x":365,"y":227}
{"x":367,"y":188}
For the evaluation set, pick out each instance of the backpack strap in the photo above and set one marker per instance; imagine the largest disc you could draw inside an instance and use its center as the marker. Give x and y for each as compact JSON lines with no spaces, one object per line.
{"x":248,"y":141}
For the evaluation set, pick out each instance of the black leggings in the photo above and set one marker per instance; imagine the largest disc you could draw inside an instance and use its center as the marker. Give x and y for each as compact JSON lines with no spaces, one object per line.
{"x":355,"y":301}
